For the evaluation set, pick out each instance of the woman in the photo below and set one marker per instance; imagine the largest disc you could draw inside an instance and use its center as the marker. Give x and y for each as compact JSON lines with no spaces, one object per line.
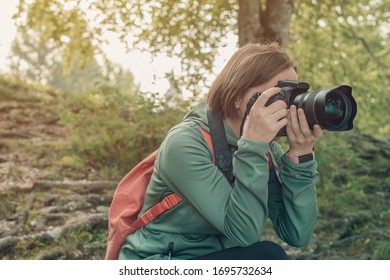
{"x":222,"y":220}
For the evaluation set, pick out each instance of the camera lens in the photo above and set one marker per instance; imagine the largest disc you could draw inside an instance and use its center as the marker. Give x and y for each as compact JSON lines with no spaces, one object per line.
{"x":334,"y":108}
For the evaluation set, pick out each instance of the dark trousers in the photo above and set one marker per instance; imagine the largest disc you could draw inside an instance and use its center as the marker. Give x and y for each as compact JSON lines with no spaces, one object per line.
{"x":264,"y":250}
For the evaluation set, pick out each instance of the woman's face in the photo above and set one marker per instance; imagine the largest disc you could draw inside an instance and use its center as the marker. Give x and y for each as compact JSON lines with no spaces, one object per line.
{"x":288,"y":74}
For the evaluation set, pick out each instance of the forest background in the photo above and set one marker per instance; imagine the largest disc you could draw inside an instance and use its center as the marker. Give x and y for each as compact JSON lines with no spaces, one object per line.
{"x":73,"y":123}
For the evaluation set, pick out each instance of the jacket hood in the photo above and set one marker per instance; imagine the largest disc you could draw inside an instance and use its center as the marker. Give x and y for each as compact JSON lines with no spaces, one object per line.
{"x":198,"y":114}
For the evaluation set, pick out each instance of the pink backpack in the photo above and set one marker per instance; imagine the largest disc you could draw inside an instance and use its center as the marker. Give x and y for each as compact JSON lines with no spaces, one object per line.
{"x":128,"y":201}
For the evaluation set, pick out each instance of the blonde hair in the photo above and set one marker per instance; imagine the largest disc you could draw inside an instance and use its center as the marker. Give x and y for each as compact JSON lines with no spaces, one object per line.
{"x":251,"y":65}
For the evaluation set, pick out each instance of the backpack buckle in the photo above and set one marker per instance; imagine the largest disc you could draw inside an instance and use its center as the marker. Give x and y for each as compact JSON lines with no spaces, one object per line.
{"x":223,"y":160}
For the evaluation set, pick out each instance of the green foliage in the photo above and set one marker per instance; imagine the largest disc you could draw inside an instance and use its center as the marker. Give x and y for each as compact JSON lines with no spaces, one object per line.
{"x":336,"y":163}
{"x":64,"y":24}
{"x":34,"y":67}
{"x":383,"y":252}
{"x":191,"y":30}
{"x":345,"y":42}
{"x":111,"y":131}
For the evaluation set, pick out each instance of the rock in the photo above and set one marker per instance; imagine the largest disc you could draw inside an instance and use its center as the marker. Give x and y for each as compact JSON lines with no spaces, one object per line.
{"x":56,"y":233}
{"x":102,"y":209}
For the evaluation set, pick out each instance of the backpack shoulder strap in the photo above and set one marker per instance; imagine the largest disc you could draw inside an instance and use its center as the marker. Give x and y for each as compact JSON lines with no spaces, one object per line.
{"x":209,"y":141}
{"x":222,"y":153}
{"x":168,"y":202}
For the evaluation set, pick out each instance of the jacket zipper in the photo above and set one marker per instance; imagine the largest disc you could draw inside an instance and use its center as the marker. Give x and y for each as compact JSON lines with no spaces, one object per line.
{"x":170,"y":249}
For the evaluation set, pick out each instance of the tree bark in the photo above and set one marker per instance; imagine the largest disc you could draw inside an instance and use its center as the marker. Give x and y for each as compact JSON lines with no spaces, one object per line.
{"x":276,"y":20}
{"x":249,"y":26}
{"x":272,"y":22}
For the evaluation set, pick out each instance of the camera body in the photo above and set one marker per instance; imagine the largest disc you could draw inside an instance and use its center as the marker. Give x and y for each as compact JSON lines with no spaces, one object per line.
{"x":333,"y":108}
{"x":288,"y":91}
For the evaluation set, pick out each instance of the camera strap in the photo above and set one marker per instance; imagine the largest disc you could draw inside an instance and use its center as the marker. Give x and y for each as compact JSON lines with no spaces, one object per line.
{"x":249,"y":105}
{"x":222,"y":153}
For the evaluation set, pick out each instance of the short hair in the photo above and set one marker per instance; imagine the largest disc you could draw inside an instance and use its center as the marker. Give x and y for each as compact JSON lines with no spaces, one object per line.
{"x":251,"y":65}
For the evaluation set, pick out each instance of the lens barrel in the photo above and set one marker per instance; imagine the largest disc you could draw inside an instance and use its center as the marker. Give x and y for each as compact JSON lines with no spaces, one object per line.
{"x":333,"y":108}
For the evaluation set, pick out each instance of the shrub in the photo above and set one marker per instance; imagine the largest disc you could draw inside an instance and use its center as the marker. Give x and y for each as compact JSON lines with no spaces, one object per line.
{"x":111,"y":131}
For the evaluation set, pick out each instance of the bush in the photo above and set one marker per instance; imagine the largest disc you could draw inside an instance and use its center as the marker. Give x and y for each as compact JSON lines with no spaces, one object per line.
{"x":111,"y":131}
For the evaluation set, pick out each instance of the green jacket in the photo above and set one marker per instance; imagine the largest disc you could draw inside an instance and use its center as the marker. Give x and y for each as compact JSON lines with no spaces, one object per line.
{"x":215,"y":215}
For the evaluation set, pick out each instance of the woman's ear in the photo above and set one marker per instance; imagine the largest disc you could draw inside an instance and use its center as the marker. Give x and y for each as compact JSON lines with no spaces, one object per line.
{"x":237,"y":103}
{"x":238,"y":107}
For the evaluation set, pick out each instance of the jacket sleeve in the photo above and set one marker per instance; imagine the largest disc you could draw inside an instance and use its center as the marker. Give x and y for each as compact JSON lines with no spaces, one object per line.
{"x":238,"y":212}
{"x":293,"y":203}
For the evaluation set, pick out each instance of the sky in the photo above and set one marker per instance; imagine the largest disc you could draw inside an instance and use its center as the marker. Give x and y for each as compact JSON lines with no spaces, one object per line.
{"x":148,"y":72}
{"x":7,"y":29}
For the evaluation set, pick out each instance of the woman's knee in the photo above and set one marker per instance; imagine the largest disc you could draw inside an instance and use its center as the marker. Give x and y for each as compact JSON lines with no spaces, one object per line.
{"x":271,"y":250}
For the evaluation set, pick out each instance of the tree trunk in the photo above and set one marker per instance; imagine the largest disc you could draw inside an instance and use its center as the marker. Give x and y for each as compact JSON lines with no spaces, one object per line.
{"x":249,"y":26}
{"x":272,"y":22}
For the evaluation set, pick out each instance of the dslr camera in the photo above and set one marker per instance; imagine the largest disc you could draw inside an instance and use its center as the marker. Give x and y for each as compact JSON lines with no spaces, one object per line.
{"x":333,"y":108}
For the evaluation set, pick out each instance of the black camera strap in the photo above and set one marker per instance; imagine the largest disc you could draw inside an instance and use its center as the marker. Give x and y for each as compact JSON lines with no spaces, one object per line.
{"x":222,"y":153}
{"x":249,"y":105}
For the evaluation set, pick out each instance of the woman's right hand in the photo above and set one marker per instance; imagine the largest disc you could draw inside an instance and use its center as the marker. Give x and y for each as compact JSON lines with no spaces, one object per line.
{"x":264,"y":122}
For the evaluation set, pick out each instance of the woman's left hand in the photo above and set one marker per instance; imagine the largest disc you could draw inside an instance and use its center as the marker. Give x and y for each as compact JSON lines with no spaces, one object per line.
{"x":299,"y":136}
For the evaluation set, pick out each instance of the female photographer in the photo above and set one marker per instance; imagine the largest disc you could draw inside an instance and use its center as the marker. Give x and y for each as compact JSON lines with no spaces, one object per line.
{"x":221,"y":218}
